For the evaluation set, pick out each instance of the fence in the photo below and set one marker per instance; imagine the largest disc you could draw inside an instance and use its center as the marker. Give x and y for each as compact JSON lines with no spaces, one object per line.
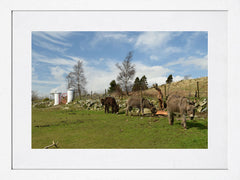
{"x":188,"y":88}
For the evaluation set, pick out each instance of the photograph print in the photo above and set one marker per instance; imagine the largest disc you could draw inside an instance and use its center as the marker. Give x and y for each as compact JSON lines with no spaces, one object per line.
{"x":119,"y":89}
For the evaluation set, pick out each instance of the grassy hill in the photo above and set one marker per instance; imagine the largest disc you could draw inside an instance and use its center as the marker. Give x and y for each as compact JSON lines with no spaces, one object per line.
{"x":83,"y":123}
{"x":87,"y":129}
{"x":185,"y":88}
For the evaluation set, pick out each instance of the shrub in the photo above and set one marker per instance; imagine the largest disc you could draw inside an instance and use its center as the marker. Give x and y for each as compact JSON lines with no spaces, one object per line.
{"x":45,"y":99}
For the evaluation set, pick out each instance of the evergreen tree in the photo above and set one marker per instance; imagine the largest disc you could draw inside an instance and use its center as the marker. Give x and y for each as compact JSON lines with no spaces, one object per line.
{"x":136,"y":85}
{"x":143,"y":82}
{"x":169,"y":79}
{"x":113,"y":86}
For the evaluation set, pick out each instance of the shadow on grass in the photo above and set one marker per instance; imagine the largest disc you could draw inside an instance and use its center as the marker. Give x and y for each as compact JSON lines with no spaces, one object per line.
{"x":121,"y":112}
{"x":196,"y":124}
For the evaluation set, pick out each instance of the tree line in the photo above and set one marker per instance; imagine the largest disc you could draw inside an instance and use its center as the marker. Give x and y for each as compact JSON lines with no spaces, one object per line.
{"x":77,"y":80}
{"x":126,"y":75}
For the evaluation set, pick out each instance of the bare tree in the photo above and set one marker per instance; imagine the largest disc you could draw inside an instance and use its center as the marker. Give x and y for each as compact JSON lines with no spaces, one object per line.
{"x":76,"y":79}
{"x":79,"y":77}
{"x":70,"y":80}
{"x":127,"y":72}
{"x":35,"y":95}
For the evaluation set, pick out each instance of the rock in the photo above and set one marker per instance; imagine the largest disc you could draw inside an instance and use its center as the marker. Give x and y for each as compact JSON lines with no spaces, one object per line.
{"x":91,"y":104}
{"x":95,"y":107}
{"x":203,"y":103}
{"x":197,"y":104}
{"x":199,"y":109}
{"x":205,"y":109}
{"x":147,"y":111}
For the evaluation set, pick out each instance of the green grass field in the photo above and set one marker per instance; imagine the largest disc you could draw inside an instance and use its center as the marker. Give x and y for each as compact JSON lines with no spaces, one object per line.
{"x":83,"y":129}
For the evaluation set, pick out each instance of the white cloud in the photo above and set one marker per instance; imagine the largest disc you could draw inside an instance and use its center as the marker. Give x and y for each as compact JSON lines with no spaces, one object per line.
{"x":44,"y":82}
{"x":76,"y":59}
{"x":69,"y":61}
{"x":61,"y":88}
{"x":151,"y":40}
{"x":154,"y":74}
{"x":200,"y":53}
{"x":123,"y":37}
{"x":42,"y":89}
{"x":36,"y":56}
{"x":58,"y":61}
{"x":58,"y":73}
{"x":177,"y":78}
{"x":199,"y":62}
{"x":192,"y":38}
{"x":62,"y":66}
{"x":173,"y":50}
{"x":53,"y":41}
{"x":49,"y":46}
{"x":59,"y":80}
{"x":61,"y":35}
{"x":113,"y":35}
{"x":98,"y":79}
{"x":34,"y":75}
{"x":52,"y":37}
{"x":153,"y":57}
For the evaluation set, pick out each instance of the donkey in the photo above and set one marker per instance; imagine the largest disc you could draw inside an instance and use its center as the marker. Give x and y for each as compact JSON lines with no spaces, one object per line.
{"x":139,"y":103}
{"x":110,"y":101}
{"x":180,"y":105}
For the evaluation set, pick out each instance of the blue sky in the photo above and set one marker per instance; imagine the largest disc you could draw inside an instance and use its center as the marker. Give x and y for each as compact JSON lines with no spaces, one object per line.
{"x":156,"y":54}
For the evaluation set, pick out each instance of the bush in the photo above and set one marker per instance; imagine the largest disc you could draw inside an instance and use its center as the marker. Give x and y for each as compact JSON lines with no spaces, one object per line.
{"x":45,"y":99}
{"x":41,"y":105}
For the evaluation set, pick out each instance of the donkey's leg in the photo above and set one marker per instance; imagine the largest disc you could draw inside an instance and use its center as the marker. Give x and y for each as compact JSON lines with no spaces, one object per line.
{"x":127,"y":110}
{"x":184,"y":124}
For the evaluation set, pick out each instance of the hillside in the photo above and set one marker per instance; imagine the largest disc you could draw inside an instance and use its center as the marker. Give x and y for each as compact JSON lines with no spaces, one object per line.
{"x":185,"y":88}
{"x":84,"y":124}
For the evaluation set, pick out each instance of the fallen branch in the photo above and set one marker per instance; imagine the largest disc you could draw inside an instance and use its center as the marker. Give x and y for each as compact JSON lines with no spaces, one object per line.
{"x":53,"y":144}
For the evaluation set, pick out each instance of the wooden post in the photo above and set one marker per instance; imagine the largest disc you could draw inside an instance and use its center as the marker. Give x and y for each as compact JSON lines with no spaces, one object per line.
{"x":91,"y":94}
{"x":190,"y":93}
{"x":141,"y":91}
{"x":105,"y":92}
{"x":168,"y":88}
{"x":197,"y":89}
{"x":141,"y":105}
{"x":165,"y":91}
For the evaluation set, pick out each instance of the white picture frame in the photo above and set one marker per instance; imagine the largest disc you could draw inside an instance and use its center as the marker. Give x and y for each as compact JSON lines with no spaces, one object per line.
{"x":233,"y":158}
{"x":25,"y":22}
